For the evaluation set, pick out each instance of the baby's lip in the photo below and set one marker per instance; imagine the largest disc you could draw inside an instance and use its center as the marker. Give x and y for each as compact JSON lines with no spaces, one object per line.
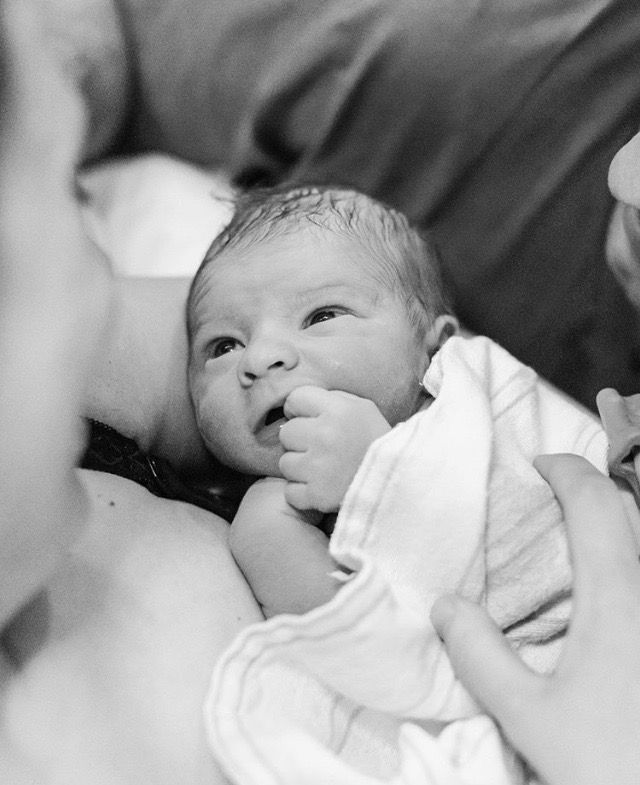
{"x":268,"y":426}
{"x":273,"y":415}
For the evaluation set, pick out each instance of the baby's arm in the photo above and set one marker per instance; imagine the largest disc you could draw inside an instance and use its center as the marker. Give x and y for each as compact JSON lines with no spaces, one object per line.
{"x":281,"y":552}
{"x":326,"y":437}
{"x":275,"y":537}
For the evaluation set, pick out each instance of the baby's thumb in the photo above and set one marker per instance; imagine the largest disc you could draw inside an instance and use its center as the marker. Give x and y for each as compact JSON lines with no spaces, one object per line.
{"x":483,"y":660}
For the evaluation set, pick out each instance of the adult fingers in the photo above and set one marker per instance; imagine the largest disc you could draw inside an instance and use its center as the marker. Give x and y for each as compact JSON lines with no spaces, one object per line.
{"x":601,"y":539}
{"x":604,"y":558}
{"x":483,"y":660}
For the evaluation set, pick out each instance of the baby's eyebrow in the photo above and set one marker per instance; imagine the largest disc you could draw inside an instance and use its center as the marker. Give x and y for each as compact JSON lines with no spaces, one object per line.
{"x":218,"y":325}
{"x":210,"y":326}
{"x":331,"y":291}
{"x":314,"y":293}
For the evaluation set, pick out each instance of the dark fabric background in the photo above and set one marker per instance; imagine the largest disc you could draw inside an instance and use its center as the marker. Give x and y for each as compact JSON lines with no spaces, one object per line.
{"x":491,"y":121}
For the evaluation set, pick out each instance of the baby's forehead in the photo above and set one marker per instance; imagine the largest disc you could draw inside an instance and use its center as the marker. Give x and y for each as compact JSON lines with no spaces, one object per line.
{"x":304,"y":260}
{"x":295,"y":248}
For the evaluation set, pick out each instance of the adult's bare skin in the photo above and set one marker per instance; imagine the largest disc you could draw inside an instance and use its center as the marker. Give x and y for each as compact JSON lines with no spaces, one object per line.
{"x":149,"y":625}
{"x":578,"y":724}
{"x":87,"y":40}
{"x":114,"y":604}
{"x":153,"y":406}
{"x":120,"y":647}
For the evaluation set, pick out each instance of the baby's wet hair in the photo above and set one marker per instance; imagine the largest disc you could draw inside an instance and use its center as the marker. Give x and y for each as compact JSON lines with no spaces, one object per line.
{"x":403,"y":258}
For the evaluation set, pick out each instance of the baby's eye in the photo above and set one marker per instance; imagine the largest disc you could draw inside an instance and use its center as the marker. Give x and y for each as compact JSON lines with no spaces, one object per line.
{"x":323,"y":315}
{"x":223,"y":346}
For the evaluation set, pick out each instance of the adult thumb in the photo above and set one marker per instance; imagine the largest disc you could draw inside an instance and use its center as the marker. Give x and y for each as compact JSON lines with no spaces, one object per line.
{"x":483,"y":660}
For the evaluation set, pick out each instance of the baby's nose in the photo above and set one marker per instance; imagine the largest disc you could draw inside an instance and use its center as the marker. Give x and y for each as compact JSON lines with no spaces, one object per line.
{"x":264,"y":357}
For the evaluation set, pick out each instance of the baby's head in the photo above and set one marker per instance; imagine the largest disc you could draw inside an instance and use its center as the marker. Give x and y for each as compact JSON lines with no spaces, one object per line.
{"x":308,"y":286}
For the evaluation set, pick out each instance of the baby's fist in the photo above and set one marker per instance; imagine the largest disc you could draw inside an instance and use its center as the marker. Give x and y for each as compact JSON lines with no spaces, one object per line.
{"x":326,"y":437}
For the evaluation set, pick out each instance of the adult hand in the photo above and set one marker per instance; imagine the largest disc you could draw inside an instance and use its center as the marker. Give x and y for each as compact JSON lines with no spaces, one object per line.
{"x":581,"y":724}
{"x":326,"y":438}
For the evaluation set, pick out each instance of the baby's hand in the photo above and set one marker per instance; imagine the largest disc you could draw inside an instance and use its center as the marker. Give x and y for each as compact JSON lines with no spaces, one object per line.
{"x":326,"y":438}
{"x":281,"y":552}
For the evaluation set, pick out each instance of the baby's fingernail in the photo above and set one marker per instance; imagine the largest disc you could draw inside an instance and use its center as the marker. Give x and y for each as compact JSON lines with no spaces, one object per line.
{"x":443,"y":611}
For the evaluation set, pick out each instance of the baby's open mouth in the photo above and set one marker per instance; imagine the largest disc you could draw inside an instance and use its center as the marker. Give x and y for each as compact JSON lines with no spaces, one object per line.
{"x":273,"y":415}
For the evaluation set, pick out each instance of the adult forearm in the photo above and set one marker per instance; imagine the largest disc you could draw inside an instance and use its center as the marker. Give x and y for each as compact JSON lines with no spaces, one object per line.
{"x":55,"y":300}
{"x":89,"y":41}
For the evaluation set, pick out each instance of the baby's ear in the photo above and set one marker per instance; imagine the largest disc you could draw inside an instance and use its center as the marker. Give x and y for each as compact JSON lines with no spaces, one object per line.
{"x":443,"y":327}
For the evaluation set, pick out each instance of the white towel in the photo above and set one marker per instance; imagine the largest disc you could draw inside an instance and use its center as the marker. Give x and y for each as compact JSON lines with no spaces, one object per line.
{"x":359,"y":690}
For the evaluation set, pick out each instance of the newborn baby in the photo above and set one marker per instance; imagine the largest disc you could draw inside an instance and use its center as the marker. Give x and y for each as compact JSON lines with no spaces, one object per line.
{"x":311,"y":321}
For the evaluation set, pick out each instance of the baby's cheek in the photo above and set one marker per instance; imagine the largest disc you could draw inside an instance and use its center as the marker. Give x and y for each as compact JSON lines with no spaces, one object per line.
{"x":217,"y":425}
{"x":399,"y":401}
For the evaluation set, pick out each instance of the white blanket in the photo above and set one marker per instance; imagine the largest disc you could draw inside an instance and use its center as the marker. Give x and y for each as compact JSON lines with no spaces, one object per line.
{"x":360,"y":691}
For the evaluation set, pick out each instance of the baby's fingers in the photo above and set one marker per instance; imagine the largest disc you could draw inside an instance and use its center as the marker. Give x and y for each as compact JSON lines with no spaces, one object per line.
{"x":294,"y":467}
{"x":306,"y":401}
{"x":296,"y":434}
{"x":297,"y":495}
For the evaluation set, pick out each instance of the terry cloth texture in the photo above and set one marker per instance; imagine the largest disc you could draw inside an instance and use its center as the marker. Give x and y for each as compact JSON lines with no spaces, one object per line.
{"x":356,"y":691}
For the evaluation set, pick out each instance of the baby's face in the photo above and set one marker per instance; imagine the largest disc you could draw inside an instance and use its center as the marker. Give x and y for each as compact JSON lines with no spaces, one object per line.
{"x":296,"y":310}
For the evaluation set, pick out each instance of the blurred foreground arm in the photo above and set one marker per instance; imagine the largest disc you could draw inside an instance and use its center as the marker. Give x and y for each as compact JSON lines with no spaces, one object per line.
{"x":581,"y":724}
{"x":55,"y":295}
